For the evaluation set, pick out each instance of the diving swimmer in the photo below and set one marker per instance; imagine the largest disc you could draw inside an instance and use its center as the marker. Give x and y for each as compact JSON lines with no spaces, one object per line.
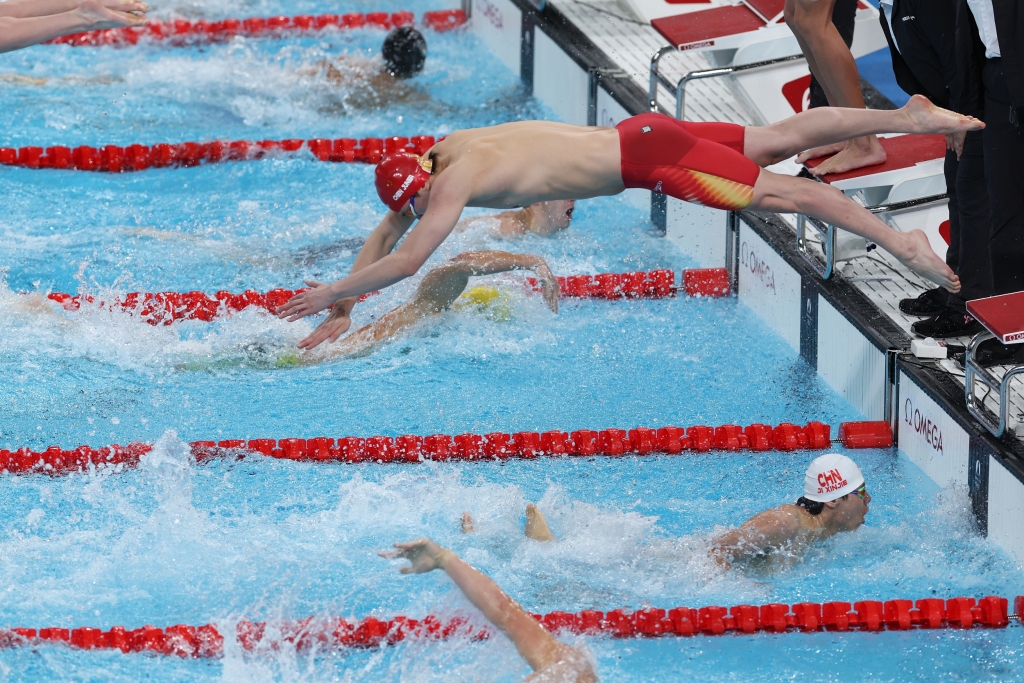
{"x":715,"y":164}
{"x":543,"y":219}
{"x":551,"y":660}
{"x":439,"y":290}
{"x":27,"y":22}
{"x":835,"y":499}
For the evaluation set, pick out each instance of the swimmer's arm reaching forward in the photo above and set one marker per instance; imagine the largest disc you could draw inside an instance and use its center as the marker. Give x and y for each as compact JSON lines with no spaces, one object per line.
{"x":551,"y":659}
{"x":448,"y":195}
{"x":27,"y":22}
{"x":436,"y":293}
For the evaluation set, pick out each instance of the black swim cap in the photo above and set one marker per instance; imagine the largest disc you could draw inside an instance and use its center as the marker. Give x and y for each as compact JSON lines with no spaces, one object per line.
{"x":405,"y":51}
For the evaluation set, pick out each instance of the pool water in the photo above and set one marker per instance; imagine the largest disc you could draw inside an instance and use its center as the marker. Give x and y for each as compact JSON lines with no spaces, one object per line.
{"x":176,"y":542}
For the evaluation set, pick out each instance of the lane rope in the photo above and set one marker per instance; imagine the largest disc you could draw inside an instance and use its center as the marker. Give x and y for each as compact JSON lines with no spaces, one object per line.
{"x":495,"y":446}
{"x":118,"y":159}
{"x":181,"y":32}
{"x":807,"y":617}
{"x":164,"y":308}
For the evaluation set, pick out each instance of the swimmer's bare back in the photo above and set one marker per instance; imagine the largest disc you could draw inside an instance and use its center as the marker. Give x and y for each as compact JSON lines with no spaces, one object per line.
{"x":517,"y":164}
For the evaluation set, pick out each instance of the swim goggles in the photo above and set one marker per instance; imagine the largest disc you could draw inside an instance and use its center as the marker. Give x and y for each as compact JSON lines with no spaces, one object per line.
{"x":861,"y":492}
{"x":412,"y":208}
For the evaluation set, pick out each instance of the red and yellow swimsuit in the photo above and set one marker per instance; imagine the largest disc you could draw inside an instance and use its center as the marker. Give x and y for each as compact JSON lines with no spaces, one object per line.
{"x":695,"y":162}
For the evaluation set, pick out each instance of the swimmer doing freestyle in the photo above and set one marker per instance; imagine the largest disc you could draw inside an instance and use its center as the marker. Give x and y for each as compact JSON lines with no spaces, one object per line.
{"x":715,"y":164}
{"x":835,"y":500}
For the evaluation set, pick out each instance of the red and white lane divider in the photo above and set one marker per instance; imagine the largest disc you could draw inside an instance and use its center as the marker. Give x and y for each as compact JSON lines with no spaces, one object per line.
{"x":495,"y":446}
{"x":164,"y":308}
{"x":807,"y":617}
{"x":184,"y":32}
{"x":117,"y":159}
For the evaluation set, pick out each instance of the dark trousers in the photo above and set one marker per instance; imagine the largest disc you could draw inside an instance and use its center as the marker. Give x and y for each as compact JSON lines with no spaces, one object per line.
{"x":969,"y":219}
{"x":844,"y":16}
{"x":1004,"y":174}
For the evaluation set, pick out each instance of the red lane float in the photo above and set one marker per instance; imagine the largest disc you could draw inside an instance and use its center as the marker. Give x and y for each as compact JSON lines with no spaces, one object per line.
{"x":183,"y":32}
{"x":118,"y":159}
{"x":163,"y":308}
{"x":207,"y":641}
{"x":410,"y":448}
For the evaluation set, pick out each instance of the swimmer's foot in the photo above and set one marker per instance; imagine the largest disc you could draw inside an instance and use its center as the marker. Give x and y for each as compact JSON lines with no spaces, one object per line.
{"x":916,"y":253}
{"x":858,"y":153}
{"x":925,"y":117}
{"x":818,"y":152}
{"x":536,"y":526}
{"x":467,"y":523}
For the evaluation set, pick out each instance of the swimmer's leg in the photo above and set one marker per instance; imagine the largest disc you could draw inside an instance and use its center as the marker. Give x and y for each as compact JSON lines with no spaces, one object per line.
{"x":467,"y":523}
{"x":767,"y":145}
{"x":787,"y":194}
{"x":536,"y":526}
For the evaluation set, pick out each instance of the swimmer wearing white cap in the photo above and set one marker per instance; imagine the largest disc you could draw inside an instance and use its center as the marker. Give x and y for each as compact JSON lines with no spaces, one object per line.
{"x":835,"y":499}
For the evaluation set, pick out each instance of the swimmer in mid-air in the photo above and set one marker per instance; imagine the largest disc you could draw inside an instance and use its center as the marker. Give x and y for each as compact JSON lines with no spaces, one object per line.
{"x":715,"y":164}
{"x":835,"y":499}
{"x":439,"y":290}
{"x":552,"y":660}
{"x":27,"y":22}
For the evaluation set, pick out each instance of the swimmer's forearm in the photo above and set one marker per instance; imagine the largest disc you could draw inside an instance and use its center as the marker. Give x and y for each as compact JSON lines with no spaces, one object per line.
{"x":16,"y":33}
{"x":387,"y":271}
{"x":21,"y":9}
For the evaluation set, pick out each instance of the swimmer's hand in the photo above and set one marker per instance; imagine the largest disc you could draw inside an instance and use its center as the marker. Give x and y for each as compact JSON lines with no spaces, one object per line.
{"x":424,"y":554}
{"x":548,"y":284}
{"x":103,"y":14}
{"x":313,"y":301}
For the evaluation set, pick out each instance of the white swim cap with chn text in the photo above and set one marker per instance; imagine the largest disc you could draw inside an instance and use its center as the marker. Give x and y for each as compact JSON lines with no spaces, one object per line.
{"x":831,"y":476}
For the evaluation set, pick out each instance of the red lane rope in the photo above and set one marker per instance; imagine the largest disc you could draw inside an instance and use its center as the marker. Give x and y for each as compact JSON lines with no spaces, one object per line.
{"x":184,"y":32}
{"x":867,"y":615}
{"x":164,"y":308}
{"x":410,"y":448}
{"x":117,"y":159}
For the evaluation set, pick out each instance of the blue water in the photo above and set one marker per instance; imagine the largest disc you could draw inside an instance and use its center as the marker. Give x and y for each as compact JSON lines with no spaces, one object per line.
{"x":173,"y":542}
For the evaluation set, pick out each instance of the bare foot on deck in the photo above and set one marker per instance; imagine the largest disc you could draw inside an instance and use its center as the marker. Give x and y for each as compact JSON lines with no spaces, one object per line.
{"x":818,"y":152}
{"x":467,"y":523}
{"x":916,"y":253}
{"x":856,"y":153}
{"x":925,"y":117}
{"x":536,"y":525}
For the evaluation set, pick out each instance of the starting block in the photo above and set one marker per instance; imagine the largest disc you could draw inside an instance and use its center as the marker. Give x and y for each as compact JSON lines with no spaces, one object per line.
{"x":1003,"y":318}
{"x":908,"y":192}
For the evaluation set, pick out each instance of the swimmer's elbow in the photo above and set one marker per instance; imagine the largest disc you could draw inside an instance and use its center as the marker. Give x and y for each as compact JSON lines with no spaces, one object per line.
{"x":409,"y":265}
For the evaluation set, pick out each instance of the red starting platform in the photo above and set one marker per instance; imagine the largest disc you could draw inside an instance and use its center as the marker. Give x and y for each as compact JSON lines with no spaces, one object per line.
{"x":1001,"y":315}
{"x":719,"y":27}
{"x":903,"y":152}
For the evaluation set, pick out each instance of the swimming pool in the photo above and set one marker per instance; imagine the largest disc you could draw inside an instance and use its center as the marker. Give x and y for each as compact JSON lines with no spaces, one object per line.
{"x":173,"y":542}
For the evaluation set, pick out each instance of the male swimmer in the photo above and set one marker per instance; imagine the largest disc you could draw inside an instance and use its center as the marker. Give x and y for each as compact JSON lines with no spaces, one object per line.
{"x":835,"y":499}
{"x":543,"y":219}
{"x":715,"y":164}
{"x":551,"y":660}
{"x":441,"y":289}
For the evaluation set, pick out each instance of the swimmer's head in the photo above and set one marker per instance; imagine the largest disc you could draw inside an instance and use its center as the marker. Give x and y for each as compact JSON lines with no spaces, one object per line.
{"x":400,"y":176}
{"x":547,"y":218}
{"x":495,"y":304}
{"x":405,"y":52}
{"x":834,"y":481}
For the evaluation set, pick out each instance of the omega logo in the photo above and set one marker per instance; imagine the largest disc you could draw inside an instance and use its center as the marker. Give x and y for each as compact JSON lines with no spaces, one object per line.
{"x":758,"y":268}
{"x":923,"y":425}
{"x":493,"y":14}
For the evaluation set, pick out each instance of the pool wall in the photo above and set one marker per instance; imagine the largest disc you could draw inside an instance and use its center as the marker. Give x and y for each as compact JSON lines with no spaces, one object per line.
{"x":854,"y":347}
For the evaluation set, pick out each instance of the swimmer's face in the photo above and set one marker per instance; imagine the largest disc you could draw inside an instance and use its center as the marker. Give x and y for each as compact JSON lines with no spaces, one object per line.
{"x":554,"y":216}
{"x":851,"y":510}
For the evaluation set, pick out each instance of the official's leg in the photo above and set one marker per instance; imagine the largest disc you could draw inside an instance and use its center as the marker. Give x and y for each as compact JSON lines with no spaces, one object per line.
{"x":844,"y":18}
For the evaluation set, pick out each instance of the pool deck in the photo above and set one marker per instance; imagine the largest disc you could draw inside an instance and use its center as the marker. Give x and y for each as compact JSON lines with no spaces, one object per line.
{"x":589,"y":60}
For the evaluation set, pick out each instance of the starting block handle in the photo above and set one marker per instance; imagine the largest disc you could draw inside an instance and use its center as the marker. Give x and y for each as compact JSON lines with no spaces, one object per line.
{"x":974,"y":373}
{"x":828,"y":243}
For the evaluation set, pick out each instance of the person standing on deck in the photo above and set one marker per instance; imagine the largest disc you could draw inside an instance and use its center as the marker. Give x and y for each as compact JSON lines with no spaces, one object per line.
{"x":715,"y":164}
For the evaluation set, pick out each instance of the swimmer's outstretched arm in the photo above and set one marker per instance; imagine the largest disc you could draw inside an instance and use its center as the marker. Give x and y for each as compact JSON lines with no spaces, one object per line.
{"x":448,"y":197}
{"x":551,"y":659}
{"x":26,"y":23}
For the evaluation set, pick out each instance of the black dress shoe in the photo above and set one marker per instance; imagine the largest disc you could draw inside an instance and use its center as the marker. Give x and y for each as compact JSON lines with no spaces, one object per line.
{"x":925,"y":305}
{"x":992,"y":352}
{"x":948,"y":323}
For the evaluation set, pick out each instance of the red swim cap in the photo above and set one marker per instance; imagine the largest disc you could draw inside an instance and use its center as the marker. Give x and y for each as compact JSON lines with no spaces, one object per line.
{"x":399,"y":177}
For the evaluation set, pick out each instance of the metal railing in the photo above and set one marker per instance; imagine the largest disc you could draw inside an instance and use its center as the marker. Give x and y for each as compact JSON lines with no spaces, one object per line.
{"x":973,"y":373}
{"x":827,"y":232}
{"x":680,"y":87}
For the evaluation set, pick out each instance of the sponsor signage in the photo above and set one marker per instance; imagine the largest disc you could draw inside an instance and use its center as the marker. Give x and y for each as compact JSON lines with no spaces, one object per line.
{"x":930,"y":438}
